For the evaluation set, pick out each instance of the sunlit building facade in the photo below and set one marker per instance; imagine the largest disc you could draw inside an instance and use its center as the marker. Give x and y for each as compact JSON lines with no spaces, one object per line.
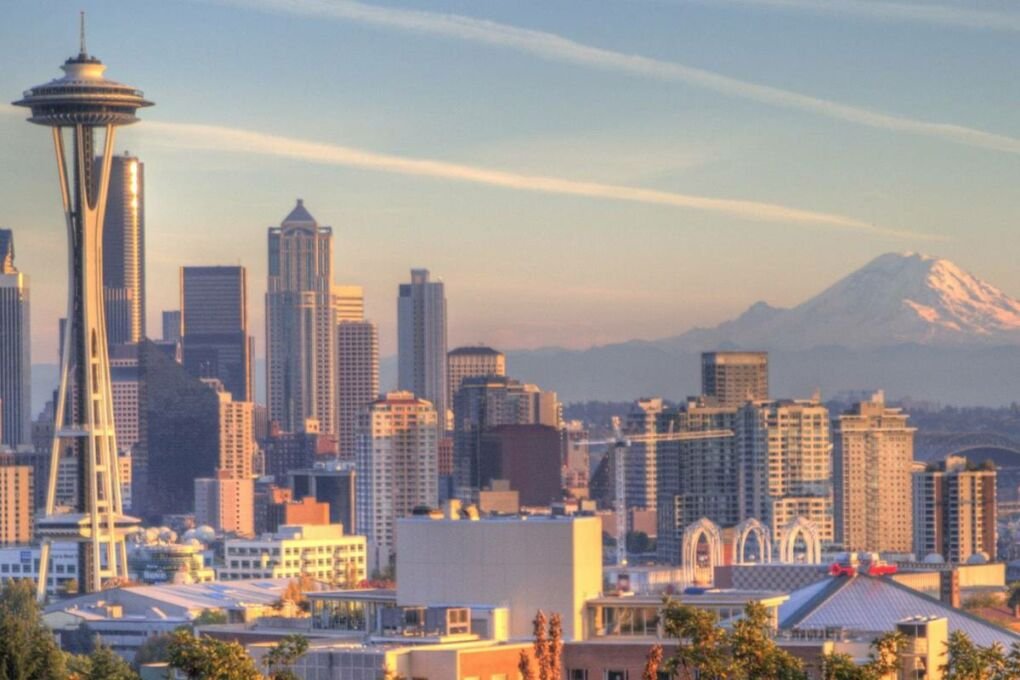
{"x":124,"y":251}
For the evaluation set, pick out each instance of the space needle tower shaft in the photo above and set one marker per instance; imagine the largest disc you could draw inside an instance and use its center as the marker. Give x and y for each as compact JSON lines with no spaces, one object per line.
{"x":83,"y":109}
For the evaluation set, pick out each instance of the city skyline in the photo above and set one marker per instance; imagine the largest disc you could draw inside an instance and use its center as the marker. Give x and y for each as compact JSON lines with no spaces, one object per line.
{"x":594,"y":120}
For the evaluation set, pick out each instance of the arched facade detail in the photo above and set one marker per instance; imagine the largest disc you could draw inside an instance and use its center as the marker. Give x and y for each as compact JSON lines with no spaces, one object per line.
{"x":800,"y":527}
{"x":742,"y":532}
{"x":689,"y":548}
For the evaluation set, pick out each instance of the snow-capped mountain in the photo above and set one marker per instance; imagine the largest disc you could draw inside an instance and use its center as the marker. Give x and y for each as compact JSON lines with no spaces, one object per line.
{"x":896,"y":298}
{"x":912,"y":324}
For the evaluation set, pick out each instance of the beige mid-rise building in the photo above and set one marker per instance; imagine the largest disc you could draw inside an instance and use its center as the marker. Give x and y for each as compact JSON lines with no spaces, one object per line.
{"x":357,"y":379}
{"x":955,"y":510}
{"x":733,"y":378}
{"x":472,"y":361}
{"x":226,"y":503}
{"x":872,"y":461}
{"x":323,"y":552}
{"x":397,"y":468}
{"x":786,"y":471}
{"x":16,"y":502}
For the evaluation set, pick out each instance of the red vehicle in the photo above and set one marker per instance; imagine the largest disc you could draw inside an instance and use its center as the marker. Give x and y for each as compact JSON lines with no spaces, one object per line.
{"x":837,"y":569}
{"x":880,"y":568}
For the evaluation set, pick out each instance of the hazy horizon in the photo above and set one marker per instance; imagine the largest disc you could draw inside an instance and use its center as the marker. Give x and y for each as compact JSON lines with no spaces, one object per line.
{"x":577,"y":175}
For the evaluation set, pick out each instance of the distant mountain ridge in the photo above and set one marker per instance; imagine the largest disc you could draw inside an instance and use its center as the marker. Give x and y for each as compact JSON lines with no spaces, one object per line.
{"x":913,"y":324}
{"x":897,"y":298}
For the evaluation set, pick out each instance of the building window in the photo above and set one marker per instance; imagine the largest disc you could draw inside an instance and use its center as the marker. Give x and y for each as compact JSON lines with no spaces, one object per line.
{"x":578,"y":674}
{"x":616,"y":675}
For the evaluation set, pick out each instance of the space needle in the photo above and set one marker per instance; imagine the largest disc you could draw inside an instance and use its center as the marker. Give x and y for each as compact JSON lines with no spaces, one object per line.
{"x":84,"y":109}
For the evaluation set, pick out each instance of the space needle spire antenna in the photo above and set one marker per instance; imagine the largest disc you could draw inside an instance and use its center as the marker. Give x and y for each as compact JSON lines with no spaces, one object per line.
{"x":81,"y":18}
{"x":84,"y":108}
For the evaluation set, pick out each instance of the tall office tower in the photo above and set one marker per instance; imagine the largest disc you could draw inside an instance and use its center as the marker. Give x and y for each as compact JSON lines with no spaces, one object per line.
{"x":76,"y":106}
{"x":349,"y":303}
{"x":214,"y":327}
{"x":396,"y":468}
{"x":178,"y":437}
{"x":357,"y":378}
{"x":300,"y":324}
{"x":483,"y":402}
{"x":786,"y":466}
{"x":172,"y":325}
{"x":18,"y":508}
{"x":733,"y":378}
{"x":126,"y":388}
{"x":471,"y":362}
{"x":421,"y":350}
{"x":955,"y":510}
{"x":124,"y":250}
{"x":15,"y":350}
{"x":872,"y":466}
{"x":697,"y":476}
{"x":640,"y":458}
{"x":527,"y":456}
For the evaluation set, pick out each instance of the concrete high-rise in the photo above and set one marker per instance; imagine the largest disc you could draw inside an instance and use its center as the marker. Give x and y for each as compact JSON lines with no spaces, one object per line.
{"x":214,"y":327}
{"x":396,"y":468}
{"x":357,"y":378}
{"x":640,"y":457}
{"x":955,"y":510}
{"x":15,"y":349}
{"x":421,"y":336}
{"x":301,"y":324}
{"x":126,"y":386}
{"x":471,"y":362}
{"x":124,"y":251}
{"x":697,"y":476}
{"x":75,"y":106}
{"x":733,"y":378}
{"x":785,"y":469}
{"x":17,"y":508}
{"x":872,"y":462}
{"x":484,"y":402}
{"x":349,"y":303}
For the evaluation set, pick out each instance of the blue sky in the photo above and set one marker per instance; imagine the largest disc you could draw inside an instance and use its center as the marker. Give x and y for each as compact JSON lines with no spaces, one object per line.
{"x":572,"y":147}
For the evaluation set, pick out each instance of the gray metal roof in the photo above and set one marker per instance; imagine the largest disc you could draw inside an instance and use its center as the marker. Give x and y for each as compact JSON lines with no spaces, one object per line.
{"x":299,"y":214}
{"x":863,"y":603}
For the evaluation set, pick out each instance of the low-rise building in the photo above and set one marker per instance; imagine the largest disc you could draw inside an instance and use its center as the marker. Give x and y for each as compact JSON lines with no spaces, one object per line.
{"x":324,"y":553}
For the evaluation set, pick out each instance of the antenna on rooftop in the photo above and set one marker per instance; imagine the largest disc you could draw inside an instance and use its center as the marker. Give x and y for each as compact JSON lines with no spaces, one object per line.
{"x":82,"y":31}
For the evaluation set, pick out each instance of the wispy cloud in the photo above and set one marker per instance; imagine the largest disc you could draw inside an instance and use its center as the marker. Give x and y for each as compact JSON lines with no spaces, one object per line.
{"x":555,"y":47}
{"x":958,"y":15}
{"x":224,"y":139}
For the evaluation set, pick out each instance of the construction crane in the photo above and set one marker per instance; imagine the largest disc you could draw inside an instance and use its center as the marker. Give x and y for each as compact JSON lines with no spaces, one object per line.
{"x":620,"y":444}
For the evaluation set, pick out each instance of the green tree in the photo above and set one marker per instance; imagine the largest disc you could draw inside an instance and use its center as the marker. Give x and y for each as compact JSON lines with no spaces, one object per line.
{"x":884,"y":658}
{"x":279,"y":659}
{"x":105,"y":664}
{"x":155,"y":649}
{"x":205,"y":658}
{"x":28,"y":650}
{"x":755,"y":654}
{"x":842,"y":667}
{"x":1013,"y":599}
{"x":209,"y":617}
{"x":966,"y":660}
{"x":700,"y":642}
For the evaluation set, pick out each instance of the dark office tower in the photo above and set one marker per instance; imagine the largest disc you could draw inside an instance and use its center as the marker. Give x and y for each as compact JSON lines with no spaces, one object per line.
{"x":357,"y":378}
{"x":421,"y":329}
{"x":15,"y":349}
{"x":733,"y":378}
{"x":214,"y":327}
{"x":124,"y":251}
{"x":179,"y":436}
{"x":301,"y":325}
{"x":171,"y":325}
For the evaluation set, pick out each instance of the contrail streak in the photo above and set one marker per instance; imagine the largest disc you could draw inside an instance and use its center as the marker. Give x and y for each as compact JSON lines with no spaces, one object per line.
{"x":225,"y":139}
{"x":554,"y":47}
{"x":958,"y":16}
